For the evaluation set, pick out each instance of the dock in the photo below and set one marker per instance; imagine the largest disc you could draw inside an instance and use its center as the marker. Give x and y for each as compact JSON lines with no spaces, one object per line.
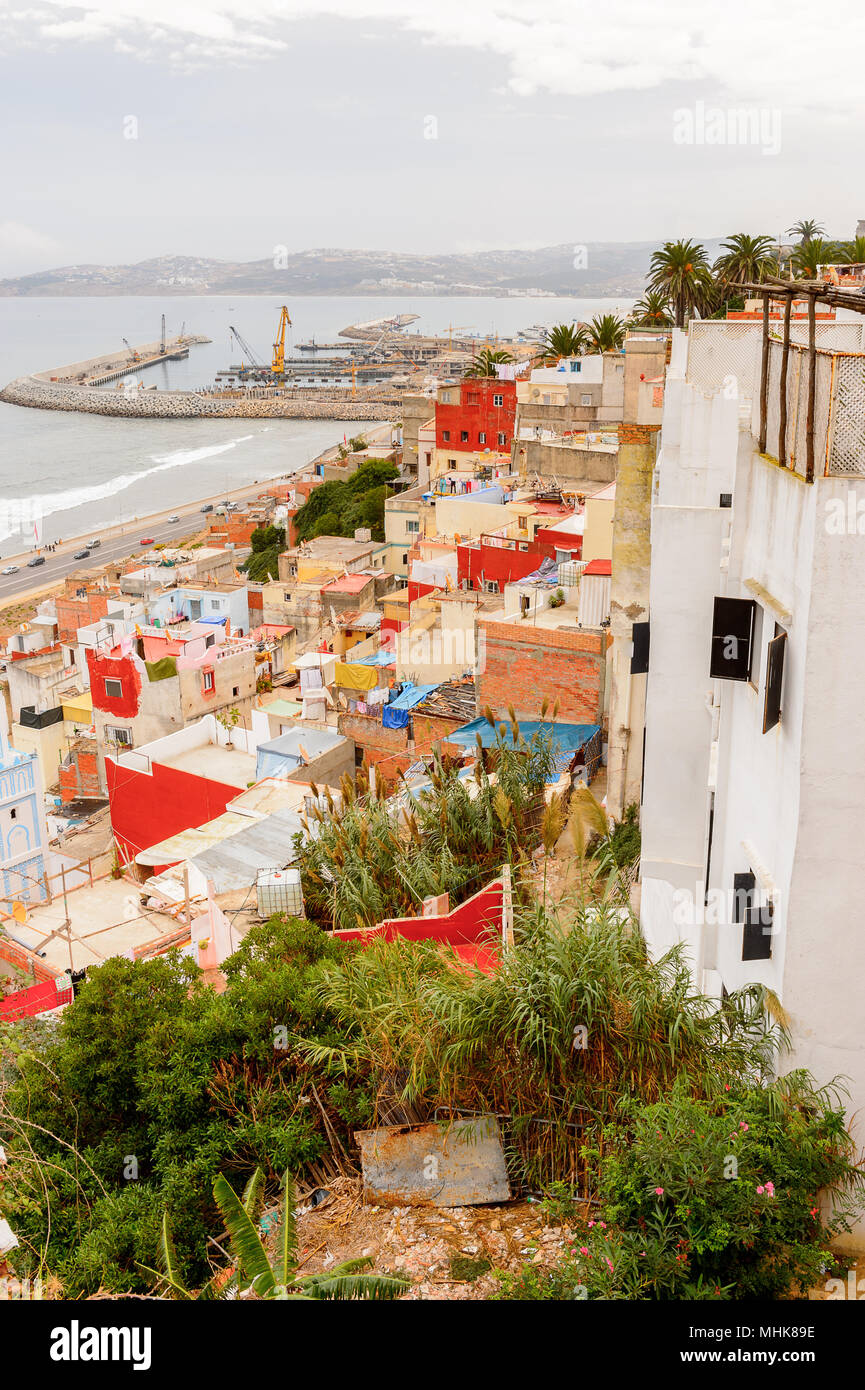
{"x":97,"y":371}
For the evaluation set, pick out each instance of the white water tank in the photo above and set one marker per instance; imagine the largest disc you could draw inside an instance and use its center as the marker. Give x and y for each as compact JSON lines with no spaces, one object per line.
{"x":279,"y":891}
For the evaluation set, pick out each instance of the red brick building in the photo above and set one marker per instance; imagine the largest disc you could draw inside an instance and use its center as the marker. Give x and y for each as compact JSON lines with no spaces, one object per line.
{"x":476,"y":414}
{"x":520,"y":664}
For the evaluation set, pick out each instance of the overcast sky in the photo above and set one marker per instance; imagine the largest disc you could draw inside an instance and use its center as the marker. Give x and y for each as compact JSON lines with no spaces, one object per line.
{"x":275,"y":122}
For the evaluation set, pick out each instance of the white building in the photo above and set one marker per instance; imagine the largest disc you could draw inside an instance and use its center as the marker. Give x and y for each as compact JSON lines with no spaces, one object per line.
{"x":754,"y":790}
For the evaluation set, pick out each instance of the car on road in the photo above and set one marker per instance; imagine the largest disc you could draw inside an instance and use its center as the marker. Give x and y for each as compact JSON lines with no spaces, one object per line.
{"x":92,"y":544}
{"x":172,"y":519}
{"x":9,"y":569}
{"x":35,"y":560}
{"x":81,"y":554}
{"x":208,"y":507}
{"x":146,"y":540}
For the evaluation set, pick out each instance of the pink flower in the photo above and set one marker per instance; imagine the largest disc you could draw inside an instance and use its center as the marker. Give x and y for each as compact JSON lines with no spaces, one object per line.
{"x":761,"y":1190}
{"x":591,"y":1224}
{"x":813,"y":1211}
{"x":610,"y":1263}
{"x":584,"y":1250}
{"x":770,"y":1188}
{"x":726,"y":1088}
{"x":642,"y":1252}
{"x":603,"y":1225}
{"x":742,"y":1124}
{"x":659,"y":1191}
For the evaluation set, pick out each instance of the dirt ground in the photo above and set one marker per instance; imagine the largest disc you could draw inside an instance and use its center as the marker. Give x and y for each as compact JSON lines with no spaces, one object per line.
{"x":435,"y":1247}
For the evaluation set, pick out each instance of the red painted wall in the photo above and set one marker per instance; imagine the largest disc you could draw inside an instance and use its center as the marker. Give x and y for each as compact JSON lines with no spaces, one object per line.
{"x":473,"y":929}
{"x":506,"y":565}
{"x":417,"y":590}
{"x":146,"y":809}
{"x":121,"y":668}
{"x":35,"y":999}
{"x":477,"y":418}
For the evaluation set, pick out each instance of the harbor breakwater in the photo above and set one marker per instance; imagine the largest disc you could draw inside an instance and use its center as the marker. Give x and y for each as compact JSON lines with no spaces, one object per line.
{"x":39,"y":394}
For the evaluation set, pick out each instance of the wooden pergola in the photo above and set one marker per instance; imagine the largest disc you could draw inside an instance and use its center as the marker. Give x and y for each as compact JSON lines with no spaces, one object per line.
{"x":788,"y":290}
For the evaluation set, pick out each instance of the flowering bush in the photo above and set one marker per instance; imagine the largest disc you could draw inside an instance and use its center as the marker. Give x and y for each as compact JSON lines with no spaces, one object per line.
{"x":711,"y":1200}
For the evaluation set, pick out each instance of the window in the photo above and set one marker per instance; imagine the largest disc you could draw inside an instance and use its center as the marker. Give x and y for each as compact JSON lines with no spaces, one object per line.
{"x":492,"y":586}
{"x":482,"y":437}
{"x":732,"y":639}
{"x":756,"y":918}
{"x":464,"y":436}
{"x":413,"y":527}
{"x":207,"y":684}
{"x":445,"y":397}
{"x":286,"y":598}
{"x":640,"y":649}
{"x":113,"y":689}
{"x":123,"y":736}
{"x":524,"y":545}
{"x":210,"y":639}
{"x":576,"y":365}
{"x":235,"y":690}
{"x":503,"y":439}
{"x":585,"y":398}
{"x":774,"y":679}
{"x":473,"y":398}
{"x":216,"y":605}
{"x":498,"y":400}
{"x":446,"y":435}
{"x":405,"y":557}
{"x":13,"y":814}
{"x":452,"y":463}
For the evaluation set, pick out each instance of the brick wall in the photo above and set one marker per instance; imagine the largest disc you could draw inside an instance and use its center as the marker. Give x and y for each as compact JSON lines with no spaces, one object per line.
{"x":429,"y":730}
{"x":520,"y":666}
{"x":73,"y":613}
{"x":377,"y":743}
{"x":80,"y":778}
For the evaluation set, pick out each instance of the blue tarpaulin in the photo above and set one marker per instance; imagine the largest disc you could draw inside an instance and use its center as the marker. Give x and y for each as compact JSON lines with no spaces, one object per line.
{"x":411,"y":695}
{"x":394,"y":718}
{"x":565,"y":737}
{"x":379,"y":658}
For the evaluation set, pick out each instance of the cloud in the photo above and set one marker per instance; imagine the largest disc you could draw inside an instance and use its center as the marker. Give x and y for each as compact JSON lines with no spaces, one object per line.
{"x":22,"y":248}
{"x":566,"y":48}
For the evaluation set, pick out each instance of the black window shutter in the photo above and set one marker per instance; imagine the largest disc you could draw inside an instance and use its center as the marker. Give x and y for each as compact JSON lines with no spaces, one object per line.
{"x":640,"y":654}
{"x":743,"y":895}
{"x":774,"y":681}
{"x":757,"y":933}
{"x":732,"y":632}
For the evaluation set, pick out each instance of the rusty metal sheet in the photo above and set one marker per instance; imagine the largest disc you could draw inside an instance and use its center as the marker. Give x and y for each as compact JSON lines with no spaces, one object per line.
{"x":461,"y":1164}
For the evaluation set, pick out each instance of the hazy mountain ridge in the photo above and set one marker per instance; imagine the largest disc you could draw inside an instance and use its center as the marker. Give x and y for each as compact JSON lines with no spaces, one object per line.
{"x":593,"y":270}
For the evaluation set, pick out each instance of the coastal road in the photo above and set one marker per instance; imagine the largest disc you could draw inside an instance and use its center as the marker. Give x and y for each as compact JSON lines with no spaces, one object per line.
{"x":116,"y":545}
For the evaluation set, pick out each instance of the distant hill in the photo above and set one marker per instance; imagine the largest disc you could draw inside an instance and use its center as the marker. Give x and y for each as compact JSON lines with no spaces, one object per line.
{"x":596,"y":270}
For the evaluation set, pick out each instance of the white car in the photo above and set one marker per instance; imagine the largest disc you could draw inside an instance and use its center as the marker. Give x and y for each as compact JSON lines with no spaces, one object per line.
{"x":10,"y":569}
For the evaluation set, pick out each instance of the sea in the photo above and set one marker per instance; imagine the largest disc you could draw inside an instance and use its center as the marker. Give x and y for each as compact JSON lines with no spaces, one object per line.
{"x":63,"y":473}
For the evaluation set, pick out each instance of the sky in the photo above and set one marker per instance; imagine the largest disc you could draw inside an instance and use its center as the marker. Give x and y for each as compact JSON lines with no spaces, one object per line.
{"x":136,"y":128}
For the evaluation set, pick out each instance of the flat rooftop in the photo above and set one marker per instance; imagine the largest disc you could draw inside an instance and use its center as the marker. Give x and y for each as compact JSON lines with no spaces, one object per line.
{"x":101,"y":925}
{"x":229,"y":765}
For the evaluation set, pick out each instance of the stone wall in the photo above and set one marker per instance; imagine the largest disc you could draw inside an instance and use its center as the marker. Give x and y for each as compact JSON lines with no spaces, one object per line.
{"x":166,"y":405}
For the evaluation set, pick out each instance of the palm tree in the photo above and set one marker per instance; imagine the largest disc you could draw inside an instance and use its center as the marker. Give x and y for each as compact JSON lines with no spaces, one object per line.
{"x":652,"y":311}
{"x":484,"y":362}
{"x":852,"y":252}
{"x":806,"y":229}
{"x":275,"y":1278}
{"x":808,"y":255}
{"x":606,"y":333}
{"x":680,"y":270}
{"x":563,"y":340}
{"x":745,"y":258}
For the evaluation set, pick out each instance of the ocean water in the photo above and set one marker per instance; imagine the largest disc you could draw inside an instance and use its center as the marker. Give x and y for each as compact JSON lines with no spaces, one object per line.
{"x":67,"y":473}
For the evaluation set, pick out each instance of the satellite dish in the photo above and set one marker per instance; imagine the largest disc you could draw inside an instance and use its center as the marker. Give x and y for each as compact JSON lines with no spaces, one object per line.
{"x":19,"y":912}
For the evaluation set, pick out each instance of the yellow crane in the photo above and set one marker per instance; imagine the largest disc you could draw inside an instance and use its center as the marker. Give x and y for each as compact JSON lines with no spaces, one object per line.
{"x":278,"y":364}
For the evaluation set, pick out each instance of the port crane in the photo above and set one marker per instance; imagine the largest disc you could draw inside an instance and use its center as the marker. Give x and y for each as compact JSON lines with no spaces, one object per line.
{"x":133,"y":355}
{"x":278,"y":363}
{"x":252,"y":362}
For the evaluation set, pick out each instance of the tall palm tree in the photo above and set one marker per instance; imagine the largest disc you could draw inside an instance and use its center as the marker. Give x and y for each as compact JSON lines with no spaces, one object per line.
{"x":606,"y":333}
{"x":745,"y":258}
{"x":652,"y":311}
{"x":484,"y":362}
{"x":806,"y":229}
{"x":563,"y":340}
{"x":852,"y":252}
{"x":808,"y":255}
{"x":680,"y":269}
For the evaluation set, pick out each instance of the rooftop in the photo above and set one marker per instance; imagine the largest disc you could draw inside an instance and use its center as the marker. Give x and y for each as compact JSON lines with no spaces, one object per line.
{"x":348,"y":584}
{"x":232,"y":766}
